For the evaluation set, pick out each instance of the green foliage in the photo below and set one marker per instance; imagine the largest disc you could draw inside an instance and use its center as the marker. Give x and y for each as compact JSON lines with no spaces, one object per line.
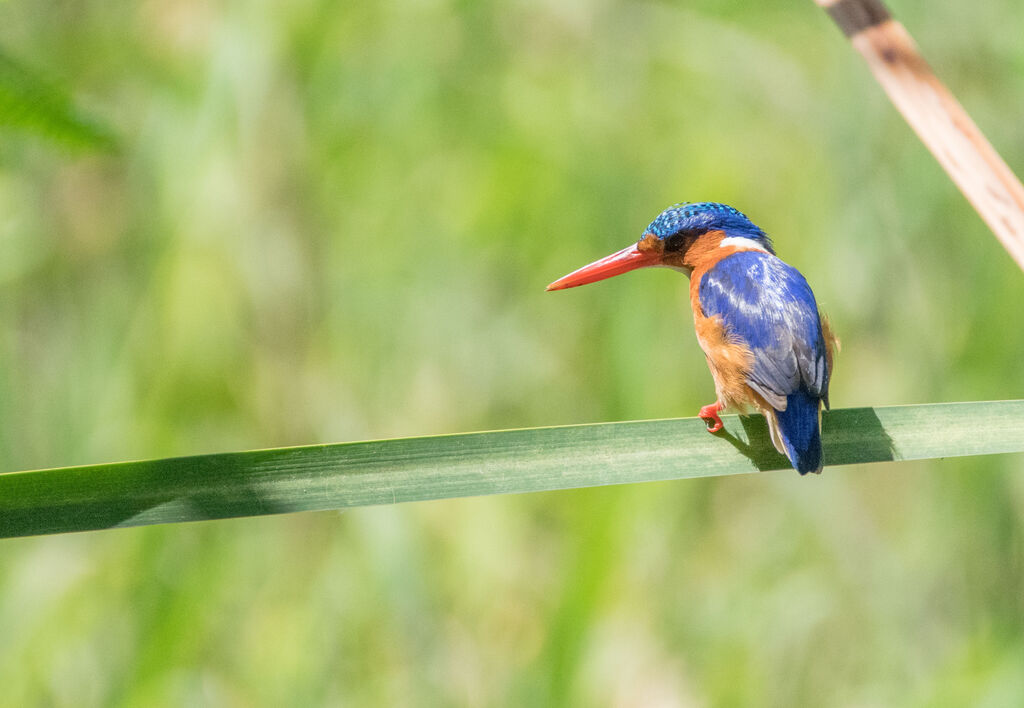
{"x":348,"y":475}
{"x":33,"y":105}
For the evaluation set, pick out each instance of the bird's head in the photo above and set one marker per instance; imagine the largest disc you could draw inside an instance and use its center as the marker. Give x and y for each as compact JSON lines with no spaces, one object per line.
{"x":669,"y":241}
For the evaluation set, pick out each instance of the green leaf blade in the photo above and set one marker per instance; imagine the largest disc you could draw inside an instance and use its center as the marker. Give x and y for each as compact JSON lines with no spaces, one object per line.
{"x":346,"y":475}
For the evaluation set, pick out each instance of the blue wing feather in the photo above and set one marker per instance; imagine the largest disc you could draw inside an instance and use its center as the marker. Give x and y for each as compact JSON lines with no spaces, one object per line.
{"x":768,"y":306}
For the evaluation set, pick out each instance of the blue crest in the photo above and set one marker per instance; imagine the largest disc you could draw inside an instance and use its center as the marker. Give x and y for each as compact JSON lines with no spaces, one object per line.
{"x":701,"y":217}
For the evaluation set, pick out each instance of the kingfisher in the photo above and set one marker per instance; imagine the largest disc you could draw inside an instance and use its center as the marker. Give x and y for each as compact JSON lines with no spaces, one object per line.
{"x":766,"y":343}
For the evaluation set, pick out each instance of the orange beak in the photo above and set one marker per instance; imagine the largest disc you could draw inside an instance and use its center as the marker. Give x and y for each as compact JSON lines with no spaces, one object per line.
{"x":629,"y":258}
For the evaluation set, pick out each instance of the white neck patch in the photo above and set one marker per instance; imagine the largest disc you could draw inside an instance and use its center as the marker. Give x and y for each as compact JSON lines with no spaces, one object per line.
{"x":741,"y":242}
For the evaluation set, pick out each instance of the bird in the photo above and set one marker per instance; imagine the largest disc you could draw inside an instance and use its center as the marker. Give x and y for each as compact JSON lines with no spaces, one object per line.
{"x":766,"y":343}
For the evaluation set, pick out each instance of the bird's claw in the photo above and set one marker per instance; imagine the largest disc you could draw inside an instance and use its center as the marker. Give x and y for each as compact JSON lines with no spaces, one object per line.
{"x":714,"y":425}
{"x":709,"y":414}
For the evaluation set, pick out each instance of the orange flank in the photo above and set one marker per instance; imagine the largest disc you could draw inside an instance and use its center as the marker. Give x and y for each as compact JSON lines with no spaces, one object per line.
{"x":730,"y":362}
{"x":832,"y":343}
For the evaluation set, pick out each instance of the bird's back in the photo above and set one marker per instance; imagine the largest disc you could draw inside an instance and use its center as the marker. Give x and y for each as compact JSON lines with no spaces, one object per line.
{"x":767,"y":306}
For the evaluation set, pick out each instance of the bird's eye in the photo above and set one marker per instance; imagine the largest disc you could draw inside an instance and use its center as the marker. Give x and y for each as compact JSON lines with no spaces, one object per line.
{"x":678,"y":241}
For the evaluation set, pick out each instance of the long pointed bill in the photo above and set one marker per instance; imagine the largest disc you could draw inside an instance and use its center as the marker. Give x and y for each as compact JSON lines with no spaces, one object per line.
{"x":627,"y":259}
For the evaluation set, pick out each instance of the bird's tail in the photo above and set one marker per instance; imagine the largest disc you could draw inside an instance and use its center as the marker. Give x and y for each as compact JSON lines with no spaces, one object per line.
{"x":797,"y":431}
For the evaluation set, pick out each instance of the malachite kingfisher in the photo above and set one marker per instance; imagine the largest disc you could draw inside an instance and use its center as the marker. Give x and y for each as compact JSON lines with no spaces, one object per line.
{"x":766,"y":343}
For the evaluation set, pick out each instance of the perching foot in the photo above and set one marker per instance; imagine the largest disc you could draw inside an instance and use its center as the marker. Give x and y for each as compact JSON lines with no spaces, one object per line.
{"x":710,"y":415}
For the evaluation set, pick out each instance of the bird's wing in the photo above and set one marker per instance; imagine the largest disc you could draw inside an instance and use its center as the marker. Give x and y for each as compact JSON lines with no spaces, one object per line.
{"x":768,"y":306}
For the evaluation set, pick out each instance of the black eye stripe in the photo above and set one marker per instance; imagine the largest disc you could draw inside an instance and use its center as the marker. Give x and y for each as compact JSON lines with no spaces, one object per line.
{"x":678,"y":241}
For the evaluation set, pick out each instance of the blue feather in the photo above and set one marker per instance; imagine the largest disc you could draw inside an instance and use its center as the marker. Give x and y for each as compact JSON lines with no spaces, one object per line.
{"x":768,"y":306}
{"x":798,"y":428}
{"x":700,"y":217}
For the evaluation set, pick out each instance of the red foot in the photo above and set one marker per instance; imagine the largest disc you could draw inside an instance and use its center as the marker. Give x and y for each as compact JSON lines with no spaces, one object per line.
{"x":710,"y":415}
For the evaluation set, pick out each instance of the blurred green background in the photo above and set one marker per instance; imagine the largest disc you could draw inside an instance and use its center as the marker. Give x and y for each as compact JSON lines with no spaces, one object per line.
{"x":267,"y":224}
